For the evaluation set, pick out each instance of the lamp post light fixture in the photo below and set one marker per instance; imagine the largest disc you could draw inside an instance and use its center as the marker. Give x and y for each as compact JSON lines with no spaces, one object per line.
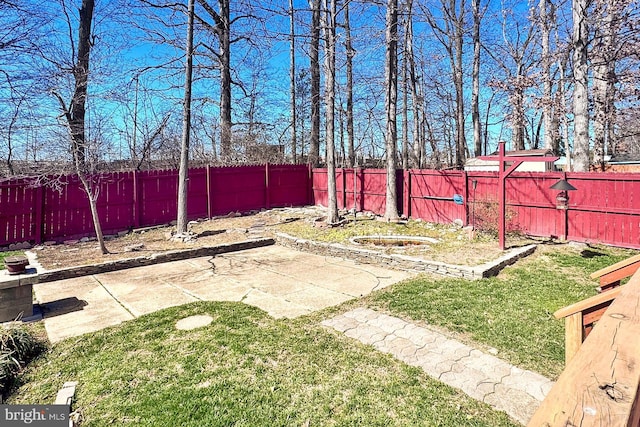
{"x":562,"y":199}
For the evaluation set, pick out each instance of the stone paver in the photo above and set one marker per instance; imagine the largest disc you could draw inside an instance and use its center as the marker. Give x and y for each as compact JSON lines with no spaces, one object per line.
{"x":482,"y":376}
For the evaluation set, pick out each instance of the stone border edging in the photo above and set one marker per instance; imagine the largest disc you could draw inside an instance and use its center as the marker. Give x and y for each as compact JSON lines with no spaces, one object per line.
{"x":157,"y":258}
{"x":404,"y":262}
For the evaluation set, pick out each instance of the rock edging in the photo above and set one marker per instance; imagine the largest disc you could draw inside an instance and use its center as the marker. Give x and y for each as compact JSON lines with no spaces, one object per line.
{"x":403,"y":262}
{"x":178,"y":255}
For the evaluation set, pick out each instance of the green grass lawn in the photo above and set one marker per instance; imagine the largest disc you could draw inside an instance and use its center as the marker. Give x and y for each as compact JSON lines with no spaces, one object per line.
{"x":513,"y":312}
{"x":245,"y":369}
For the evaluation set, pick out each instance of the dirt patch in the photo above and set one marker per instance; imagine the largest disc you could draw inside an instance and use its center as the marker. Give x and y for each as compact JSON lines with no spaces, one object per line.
{"x":154,"y":240}
{"x":455,"y":247}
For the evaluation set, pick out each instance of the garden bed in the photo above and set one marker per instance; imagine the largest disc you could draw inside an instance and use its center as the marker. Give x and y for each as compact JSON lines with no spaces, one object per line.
{"x":455,"y":245}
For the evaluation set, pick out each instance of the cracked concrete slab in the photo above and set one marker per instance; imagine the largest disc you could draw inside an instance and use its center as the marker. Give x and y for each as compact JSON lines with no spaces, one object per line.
{"x":65,"y":312}
{"x":482,"y":376}
{"x":281,"y":281}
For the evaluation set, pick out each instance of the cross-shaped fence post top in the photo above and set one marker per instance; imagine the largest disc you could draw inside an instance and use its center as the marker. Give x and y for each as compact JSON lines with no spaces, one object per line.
{"x":503,"y":174}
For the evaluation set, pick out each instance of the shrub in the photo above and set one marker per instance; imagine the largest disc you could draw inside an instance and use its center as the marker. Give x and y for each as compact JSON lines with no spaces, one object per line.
{"x":18,"y":346}
{"x":486,"y":217}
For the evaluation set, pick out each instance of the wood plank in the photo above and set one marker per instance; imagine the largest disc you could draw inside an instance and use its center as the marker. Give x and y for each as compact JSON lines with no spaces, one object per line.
{"x":600,"y":385}
{"x":608,"y":286}
{"x":585,"y":304}
{"x":573,"y":335}
{"x":618,"y":265}
{"x":621,"y":273}
{"x":594,"y":314}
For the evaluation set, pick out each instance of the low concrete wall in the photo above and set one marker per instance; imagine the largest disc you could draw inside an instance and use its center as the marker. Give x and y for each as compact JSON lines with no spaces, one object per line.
{"x":403,"y":262}
{"x":68,"y":273}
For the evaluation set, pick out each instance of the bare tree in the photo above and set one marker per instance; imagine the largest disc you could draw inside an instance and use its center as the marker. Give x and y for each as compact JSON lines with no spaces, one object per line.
{"x":221,"y":28}
{"x":314,"y":48}
{"x":391,"y":88}
{"x":561,"y":101}
{"x":350,"y":53}
{"x":605,"y":55}
{"x":329,"y":18}
{"x":181,"y":225}
{"x":546,"y":22}
{"x":475,"y":78}
{"x":449,"y":29}
{"x":74,"y":114}
{"x":416,"y":98}
{"x":292,"y":78}
{"x":581,"y":85}
{"x":405,"y":105}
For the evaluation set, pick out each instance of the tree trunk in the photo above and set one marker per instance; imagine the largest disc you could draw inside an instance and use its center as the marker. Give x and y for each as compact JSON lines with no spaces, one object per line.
{"x":417,"y":103}
{"x":92,"y":195}
{"x":518,"y":116}
{"x":292,"y":77}
{"x":391,"y":90}
{"x":562,"y":64}
{"x":330,"y":87}
{"x":475,"y":92}
{"x":550,"y":143}
{"x":461,"y":141}
{"x":603,"y":84}
{"x":81,"y":76}
{"x":405,"y":110}
{"x":581,"y":86}
{"x":183,"y":175}
{"x":225,"y":80}
{"x":350,"y":52}
{"x":314,"y":65}
{"x":75,"y":115}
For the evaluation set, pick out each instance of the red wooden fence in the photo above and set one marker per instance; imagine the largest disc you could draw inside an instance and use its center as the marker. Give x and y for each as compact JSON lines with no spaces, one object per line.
{"x":605,"y":208}
{"x":128,"y":200}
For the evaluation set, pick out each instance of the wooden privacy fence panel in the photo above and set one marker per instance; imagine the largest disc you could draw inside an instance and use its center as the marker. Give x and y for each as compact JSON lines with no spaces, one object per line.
{"x":126,"y":200}
{"x":430,"y":195}
{"x":229,"y":193}
{"x":368,"y":187}
{"x":605,"y":208}
{"x":18,"y":218}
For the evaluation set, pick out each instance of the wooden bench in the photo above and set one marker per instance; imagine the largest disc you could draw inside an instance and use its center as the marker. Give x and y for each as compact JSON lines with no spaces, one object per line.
{"x":611,"y":276}
{"x":581,"y":316}
{"x":599,"y":386}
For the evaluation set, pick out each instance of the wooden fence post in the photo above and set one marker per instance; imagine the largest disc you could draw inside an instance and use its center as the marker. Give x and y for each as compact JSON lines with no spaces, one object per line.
{"x":361,"y":179}
{"x":267,"y":195}
{"x":465,"y":176}
{"x":406,"y":196}
{"x":344,"y":188}
{"x":310,"y":186}
{"x":136,"y":199}
{"x":39,"y":220}
{"x":208,"y":191}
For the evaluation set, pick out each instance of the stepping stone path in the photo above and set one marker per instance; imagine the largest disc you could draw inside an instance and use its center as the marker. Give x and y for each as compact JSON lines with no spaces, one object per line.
{"x":482,"y":376}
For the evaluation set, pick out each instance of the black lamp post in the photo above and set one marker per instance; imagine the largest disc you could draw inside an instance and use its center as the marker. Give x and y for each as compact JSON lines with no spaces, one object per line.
{"x":562,"y":202}
{"x":562,"y":199}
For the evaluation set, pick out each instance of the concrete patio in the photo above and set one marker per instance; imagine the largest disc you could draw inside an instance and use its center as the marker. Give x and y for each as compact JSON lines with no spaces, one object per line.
{"x":281,"y":281}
